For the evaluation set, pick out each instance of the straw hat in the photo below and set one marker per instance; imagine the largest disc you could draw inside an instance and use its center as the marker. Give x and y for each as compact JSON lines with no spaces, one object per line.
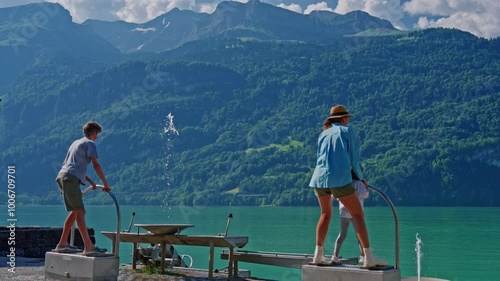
{"x":339,"y":111}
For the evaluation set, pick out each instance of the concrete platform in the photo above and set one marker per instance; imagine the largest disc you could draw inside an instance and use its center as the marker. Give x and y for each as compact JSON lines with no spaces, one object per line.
{"x":76,"y":267}
{"x":348,"y":273}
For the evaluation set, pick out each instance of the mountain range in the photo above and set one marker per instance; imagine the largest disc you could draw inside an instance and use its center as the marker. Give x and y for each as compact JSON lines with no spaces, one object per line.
{"x":249,"y":86}
{"x":30,"y":30}
{"x":253,"y":21}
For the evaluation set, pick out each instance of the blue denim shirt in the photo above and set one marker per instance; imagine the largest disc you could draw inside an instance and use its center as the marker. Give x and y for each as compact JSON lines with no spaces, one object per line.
{"x":338,"y":151}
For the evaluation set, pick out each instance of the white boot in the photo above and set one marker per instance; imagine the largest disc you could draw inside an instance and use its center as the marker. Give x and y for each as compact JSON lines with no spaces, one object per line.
{"x":371,"y":260}
{"x":319,"y":255}
{"x":362,"y":259}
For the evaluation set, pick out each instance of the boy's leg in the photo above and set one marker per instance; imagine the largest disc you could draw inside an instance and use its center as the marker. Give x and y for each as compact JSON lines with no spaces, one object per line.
{"x":82,"y":227}
{"x":68,"y":223}
{"x":72,"y":194}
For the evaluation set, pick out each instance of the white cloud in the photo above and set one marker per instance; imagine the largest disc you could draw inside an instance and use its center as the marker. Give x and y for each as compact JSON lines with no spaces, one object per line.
{"x":432,"y":7}
{"x":344,"y":7}
{"x":145,"y":10}
{"x":137,"y":11}
{"x":82,"y":10}
{"x":321,"y":6}
{"x":292,"y":7}
{"x":207,"y":8}
{"x":479,"y":17}
{"x":390,"y":10}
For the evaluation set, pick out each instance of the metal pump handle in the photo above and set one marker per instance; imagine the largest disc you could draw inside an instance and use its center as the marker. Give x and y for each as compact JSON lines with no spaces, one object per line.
{"x":116,"y":246}
{"x":396,"y":221}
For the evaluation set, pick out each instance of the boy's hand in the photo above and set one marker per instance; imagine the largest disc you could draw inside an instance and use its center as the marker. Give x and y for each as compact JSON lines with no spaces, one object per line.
{"x":106,"y":188}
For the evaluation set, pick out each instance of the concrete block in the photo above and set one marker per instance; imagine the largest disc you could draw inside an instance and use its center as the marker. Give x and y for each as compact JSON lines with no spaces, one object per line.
{"x":76,"y":267}
{"x":347,"y":273}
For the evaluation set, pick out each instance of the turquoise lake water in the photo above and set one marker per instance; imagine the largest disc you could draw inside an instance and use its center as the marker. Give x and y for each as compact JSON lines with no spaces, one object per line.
{"x":459,"y":244}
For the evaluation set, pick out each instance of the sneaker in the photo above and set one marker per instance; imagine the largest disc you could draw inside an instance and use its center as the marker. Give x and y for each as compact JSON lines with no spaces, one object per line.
{"x":94,"y":252}
{"x":66,"y":249}
{"x":319,"y":256}
{"x":361,"y":259}
{"x":318,"y":260}
{"x":335,"y":259}
{"x":102,"y":250}
{"x":371,"y":260}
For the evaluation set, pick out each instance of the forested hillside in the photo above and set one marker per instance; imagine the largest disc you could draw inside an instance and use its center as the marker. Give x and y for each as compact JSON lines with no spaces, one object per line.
{"x":248,"y":115}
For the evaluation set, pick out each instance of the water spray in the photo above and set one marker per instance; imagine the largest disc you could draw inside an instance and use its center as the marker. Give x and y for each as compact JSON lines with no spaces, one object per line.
{"x":419,"y":255}
{"x":169,"y":126}
{"x":168,"y":131}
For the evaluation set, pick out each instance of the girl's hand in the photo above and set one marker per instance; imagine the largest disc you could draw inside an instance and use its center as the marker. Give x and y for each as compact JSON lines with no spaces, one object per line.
{"x":365,"y":182}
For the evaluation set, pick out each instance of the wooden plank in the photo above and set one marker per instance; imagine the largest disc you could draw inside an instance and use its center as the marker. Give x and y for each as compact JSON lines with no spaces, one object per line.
{"x":190,"y":240}
{"x":211,"y":261}
{"x":276,"y":259}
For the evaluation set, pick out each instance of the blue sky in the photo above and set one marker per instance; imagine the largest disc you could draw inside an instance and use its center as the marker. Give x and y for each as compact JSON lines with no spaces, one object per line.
{"x":479,"y":17}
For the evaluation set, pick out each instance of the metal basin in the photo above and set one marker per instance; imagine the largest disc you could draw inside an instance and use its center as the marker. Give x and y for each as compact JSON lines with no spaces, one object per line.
{"x":164,"y":229}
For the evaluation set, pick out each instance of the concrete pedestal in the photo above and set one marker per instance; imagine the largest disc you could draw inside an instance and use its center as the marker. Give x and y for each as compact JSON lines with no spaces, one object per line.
{"x":76,"y":267}
{"x":347,"y":273}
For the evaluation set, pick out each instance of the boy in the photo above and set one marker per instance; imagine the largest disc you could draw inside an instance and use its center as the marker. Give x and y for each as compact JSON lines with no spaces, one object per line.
{"x":73,"y":174}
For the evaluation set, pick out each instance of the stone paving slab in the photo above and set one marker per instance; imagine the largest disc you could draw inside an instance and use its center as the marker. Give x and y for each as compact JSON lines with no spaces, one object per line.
{"x":32,"y":269}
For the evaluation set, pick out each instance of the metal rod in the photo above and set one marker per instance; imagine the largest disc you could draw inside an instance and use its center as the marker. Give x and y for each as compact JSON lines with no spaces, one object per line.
{"x":130,"y":224}
{"x":396,"y":221}
{"x":227,"y":225}
{"x":117,"y":241}
{"x":228,"y":222}
{"x":72,"y":237}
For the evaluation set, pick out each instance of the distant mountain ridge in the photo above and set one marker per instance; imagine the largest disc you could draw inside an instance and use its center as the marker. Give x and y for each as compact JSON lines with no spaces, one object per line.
{"x":30,"y":31}
{"x":251,"y":20}
{"x":49,"y":25}
{"x":163,"y":32}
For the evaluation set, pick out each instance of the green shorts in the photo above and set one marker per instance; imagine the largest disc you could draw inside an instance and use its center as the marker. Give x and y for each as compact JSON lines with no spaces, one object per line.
{"x":337,"y":192}
{"x":70,"y":188}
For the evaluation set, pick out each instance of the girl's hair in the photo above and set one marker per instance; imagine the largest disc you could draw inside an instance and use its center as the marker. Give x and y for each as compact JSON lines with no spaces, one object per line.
{"x":329,"y":122}
{"x":91,"y":127}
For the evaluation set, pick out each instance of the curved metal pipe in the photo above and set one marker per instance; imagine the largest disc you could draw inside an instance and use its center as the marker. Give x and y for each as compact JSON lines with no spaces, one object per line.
{"x":396,"y":221}
{"x":116,"y":246}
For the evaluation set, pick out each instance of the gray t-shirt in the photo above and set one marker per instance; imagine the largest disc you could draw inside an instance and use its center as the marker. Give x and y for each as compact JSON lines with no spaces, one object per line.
{"x":78,"y":158}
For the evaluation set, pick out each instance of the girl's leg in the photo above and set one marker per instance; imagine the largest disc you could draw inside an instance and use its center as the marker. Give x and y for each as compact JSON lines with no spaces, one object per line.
{"x":351,"y":202}
{"x":344,"y":228}
{"x":352,"y":205}
{"x":325,"y":203}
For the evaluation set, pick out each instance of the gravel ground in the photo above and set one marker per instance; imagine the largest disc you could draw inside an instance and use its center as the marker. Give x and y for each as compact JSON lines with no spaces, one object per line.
{"x":29,"y":269}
